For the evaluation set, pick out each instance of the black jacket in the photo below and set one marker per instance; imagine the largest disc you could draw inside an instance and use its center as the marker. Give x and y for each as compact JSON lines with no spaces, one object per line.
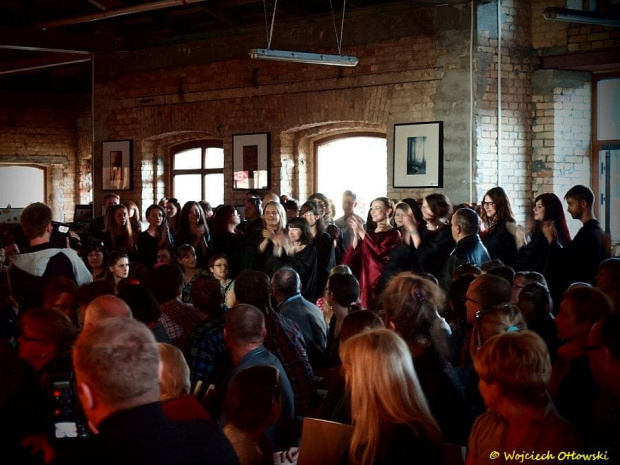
{"x":470,"y":249}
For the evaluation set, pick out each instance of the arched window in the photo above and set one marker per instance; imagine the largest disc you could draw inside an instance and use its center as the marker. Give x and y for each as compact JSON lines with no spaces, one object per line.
{"x":197,"y":172}
{"x":14,"y":178}
{"x":355,"y":162}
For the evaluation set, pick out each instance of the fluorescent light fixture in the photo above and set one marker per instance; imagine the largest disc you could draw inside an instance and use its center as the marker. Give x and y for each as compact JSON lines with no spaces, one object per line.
{"x":303,"y":57}
{"x":581,"y":17}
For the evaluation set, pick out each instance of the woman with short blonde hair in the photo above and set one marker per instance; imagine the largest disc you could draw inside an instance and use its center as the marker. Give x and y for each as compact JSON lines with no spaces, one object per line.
{"x":514,"y":370}
{"x":392,"y":422}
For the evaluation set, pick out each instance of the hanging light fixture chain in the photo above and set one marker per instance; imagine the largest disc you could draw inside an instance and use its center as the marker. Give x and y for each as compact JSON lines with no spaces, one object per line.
{"x":338,"y":38}
{"x":269,"y":30}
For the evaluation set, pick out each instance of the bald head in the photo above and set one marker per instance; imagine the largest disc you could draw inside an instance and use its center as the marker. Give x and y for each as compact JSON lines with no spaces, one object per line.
{"x":104,"y":307}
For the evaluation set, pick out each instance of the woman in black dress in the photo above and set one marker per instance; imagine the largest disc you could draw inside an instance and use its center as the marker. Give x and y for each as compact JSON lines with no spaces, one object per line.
{"x":499,"y":236}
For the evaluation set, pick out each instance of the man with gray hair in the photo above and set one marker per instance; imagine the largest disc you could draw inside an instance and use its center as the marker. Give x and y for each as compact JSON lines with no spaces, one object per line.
{"x":286,"y":288}
{"x":469,"y":248}
{"x":116,"y":366}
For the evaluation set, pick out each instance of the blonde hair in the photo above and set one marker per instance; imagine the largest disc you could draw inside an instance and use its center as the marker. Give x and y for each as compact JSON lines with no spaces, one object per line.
{"x":384,"y":390}
{"x":281,"y":212}
{"x":518,"y":361}
{"x":174,"y":380}
{"x":493,"y":321}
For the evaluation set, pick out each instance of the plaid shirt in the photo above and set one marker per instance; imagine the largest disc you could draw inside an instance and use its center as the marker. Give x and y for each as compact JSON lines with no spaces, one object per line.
{"x":206,"y":346}
{"x":285,"y":341}
{"x":179,"y":320}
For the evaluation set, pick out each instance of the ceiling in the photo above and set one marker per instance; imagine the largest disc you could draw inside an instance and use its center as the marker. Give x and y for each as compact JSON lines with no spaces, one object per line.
{"x":46,"y":44}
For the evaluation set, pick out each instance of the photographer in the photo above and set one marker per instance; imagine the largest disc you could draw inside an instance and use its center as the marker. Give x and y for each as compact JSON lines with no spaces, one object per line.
{"x":41,"y":261}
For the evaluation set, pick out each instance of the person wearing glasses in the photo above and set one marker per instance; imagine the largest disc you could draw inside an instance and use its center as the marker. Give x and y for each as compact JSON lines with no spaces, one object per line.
{"x":500,"y":227}
{"x":465,"y":224}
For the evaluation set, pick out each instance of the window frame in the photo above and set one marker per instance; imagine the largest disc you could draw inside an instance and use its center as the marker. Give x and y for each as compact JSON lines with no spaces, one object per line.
{"x":43,"y":168}
{"x":202,"y":171}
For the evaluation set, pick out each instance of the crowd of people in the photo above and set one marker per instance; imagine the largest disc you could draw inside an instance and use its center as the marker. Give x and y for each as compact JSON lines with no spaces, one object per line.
{"x":204,"y":337}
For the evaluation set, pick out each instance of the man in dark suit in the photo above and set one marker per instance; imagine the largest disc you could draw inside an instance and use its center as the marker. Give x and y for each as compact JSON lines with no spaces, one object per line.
{"x":116,"y":366}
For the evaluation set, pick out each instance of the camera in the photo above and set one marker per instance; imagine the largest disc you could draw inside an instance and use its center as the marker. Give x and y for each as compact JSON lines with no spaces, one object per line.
{"x":68,"y":421}
{"x":60,"y":233}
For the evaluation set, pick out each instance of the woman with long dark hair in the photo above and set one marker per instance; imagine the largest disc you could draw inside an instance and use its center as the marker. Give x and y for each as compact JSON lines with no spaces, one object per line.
{"x":155,"y":237}
{"x":118,"y":232}
{"x":499,"y":235}
{"x":173,"y":212}
{"x":436,"y":238}
{"x":226,"y":239}
{"x":325,"y":250}
{"x":533,"y":256}
{"x":193,"y":230}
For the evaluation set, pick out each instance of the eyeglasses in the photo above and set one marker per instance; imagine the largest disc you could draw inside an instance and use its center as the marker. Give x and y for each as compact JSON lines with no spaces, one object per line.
{"x":488,"y":204}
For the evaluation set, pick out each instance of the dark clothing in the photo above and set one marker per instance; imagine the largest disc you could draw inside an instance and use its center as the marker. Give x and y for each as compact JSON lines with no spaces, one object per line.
{"x":400,"y":444}
{"x":209,"y":358}
{"x":325,"y":258}
{"x":96,"y":227}
{"x":270,"y":262}
{"x":534,"y":255}
{"x":285,"y":433}
{"x":579,"y":260}
{"x":444,"y":394}
{"x":435,"y":250}
{"x":145,"y":436}
{"x":305,"y":263}
{"x":403,"y":257}
{"x":31,"y":270}
{"x":311,"y":323}
{"x":148,"y":246}
{"x":252,"y":235}
{"x":576,"y":397}
{"x":470,"y":249}
{"x":544,"y":326}
{"x":500,"y":244}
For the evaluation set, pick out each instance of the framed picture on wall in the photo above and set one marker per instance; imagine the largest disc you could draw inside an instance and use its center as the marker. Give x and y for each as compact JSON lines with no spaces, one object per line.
{"x":251,"y":161}
{"x":83,"y":214}
{"x":117,"y":173}
{"x":418,"y":154}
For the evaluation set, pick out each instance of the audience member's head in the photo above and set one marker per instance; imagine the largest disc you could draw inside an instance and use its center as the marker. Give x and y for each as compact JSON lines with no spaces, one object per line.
{"x":458,"y":289}
{"x":465,"y":222}
{"x":503,"y":271}
{"x":36,"y":221}
{"x":608,"y":278}
{"x":495,"y":320}
{"x":343,"y":289}
{"x":105,"y":307}
{"x":410,"y":305}
{"x":245,"y":327}
{"x":254,"y":288}
{"x":166,"y":283}
{"x":116,"y":367}
{"x":491,"y":264}
{"x":285,"y":283}
{"x":534,"y":301}
{"x":518,"y":363}
{"x":44,"y":335}
{"x":485,"y":291}
{"x":356,"y":322}
{"x":522,"y":279}
{"x":207,"y":296}
{"x":604,"y":354}
{"x":580,"y":308}
{"x":466,"y":269}
{"x":142,"y":302}
{"x":174,"y":376}
{"x":61,"y":293}
{"x":253,"y":399}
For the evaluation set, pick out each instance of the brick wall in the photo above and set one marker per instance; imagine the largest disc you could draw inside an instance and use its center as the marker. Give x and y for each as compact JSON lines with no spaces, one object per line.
{"x":49,"y":131}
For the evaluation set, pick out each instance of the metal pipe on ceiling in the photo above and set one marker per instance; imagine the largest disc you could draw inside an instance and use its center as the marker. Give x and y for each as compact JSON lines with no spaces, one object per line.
{"x":144,"y":8}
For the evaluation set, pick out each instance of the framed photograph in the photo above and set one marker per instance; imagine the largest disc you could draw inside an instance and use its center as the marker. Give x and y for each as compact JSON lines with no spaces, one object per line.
{"x":251,"y":161}
{"x":418,"y":154}
{"x":83,"y":214}
{"x":116,"y":165}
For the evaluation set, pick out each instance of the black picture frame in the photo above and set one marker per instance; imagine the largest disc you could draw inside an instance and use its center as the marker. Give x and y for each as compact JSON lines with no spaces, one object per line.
{"x":418,"y":155}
